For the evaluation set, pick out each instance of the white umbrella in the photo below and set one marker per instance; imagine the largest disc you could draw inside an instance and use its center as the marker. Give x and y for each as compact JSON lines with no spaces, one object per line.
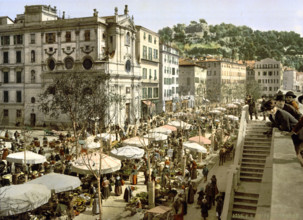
{"x":107,"y":136}
{"x":161,"y":130}
{"x":156,"y":136}
{"x":195,"y":147}
{"x":232,"y":117}
{"x":57,"y":182}
{"x":31,"y":158}
{"x":180,"y":124}
{"x":215,"y":112}
{"x":90,"y":162}
{"x":220,"y":109}
{"x":136,"y":141}
{"x":16,"y":199}
{"x":231,"y":105}
{"x":128,"y":152}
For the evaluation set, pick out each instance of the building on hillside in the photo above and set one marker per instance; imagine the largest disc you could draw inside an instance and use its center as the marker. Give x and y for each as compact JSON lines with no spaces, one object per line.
{"x":168,"y":78}
{"x":147,"y":50}
{"x":225,"y":79}
{"x":289,"y":79}
{"x":39,"y":44}
{"x":269,"y":76}
{"x":192,"y":83}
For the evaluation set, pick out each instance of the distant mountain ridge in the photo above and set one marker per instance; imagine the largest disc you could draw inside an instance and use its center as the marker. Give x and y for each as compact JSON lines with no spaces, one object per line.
{"x":198,"y":39}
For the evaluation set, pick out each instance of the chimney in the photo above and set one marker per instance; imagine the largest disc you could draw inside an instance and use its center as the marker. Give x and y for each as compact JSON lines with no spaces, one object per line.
{"x":126,"y":10}
{"x":63,"y":16}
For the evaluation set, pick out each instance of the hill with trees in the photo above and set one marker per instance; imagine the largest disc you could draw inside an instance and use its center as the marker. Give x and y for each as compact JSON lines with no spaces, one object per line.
{"x":198,"y":39}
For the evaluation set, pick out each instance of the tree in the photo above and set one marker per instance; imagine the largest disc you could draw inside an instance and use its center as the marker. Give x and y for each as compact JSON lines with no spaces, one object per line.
{"x":81,"y":97}
{"x":166,"y":35}
{"x":253,"y":89}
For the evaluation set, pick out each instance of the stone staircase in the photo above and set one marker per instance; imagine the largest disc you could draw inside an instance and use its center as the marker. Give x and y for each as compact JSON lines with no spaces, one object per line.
{"x":256,"y":148}
{"x":245,"y":205}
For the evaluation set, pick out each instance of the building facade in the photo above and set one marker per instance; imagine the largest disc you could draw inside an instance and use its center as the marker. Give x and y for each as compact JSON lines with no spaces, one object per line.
{"x":225,"y":79}
{"x":289,"y":79}
{"x":192,"y":84}
{"x":269,"y":76}
{"x":39,"y":44}
{"x":147,"y":50}
{"x":168,"y":80}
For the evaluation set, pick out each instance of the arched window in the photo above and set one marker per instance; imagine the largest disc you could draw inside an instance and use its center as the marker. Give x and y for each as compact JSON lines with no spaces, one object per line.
{"x":33,"y":76}
{"x":127,"y":40}
{"x":33,"y":56}
{"x":33,"y":100}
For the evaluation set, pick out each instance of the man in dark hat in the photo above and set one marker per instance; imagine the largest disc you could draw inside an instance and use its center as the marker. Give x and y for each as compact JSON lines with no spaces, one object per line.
{"x":251,"y":106}
{"x":290,"y":99}
{"x":280,"y":103}
{"x":279,"y":118}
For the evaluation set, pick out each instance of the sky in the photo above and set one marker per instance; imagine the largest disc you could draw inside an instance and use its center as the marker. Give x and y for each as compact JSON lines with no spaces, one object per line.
{"x":264,"y":15}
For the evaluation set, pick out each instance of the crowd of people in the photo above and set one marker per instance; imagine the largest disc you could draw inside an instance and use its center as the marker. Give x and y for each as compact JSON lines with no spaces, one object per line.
{"x":166,"y":162}
{"x":283,"y":113}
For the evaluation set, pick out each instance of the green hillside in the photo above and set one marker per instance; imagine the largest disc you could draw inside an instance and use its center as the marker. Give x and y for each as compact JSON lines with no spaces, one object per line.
{"x":198,"y":39}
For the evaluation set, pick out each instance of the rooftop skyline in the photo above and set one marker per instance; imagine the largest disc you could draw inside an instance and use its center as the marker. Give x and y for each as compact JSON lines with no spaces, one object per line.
{"x":261,"y":15}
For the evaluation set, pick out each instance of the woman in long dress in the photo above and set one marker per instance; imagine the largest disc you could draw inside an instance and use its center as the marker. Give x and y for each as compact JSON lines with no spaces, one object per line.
{"x":118,"y":186}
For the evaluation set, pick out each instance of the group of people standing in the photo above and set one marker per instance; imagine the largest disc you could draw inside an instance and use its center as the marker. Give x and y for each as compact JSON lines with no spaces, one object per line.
{"x":284,"y":114}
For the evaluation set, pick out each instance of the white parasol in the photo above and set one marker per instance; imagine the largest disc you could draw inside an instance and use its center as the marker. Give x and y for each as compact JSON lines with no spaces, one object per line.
{"x":16,"y":199}
{"x":215,"y":112}
{"x":180,"y":124}
{"x":107,"y":136}
{"x":90,"y":162}
{"x":57,"y":182}
{"x":156,"y":136}
{"x":128,"y":152}
{"x":161,"y":130}
{"x":195,"y":147}
{"x":220,"y":109}
{"x":231,"y":105}
{"x":232,"y":117}
{"x":31,"y":158}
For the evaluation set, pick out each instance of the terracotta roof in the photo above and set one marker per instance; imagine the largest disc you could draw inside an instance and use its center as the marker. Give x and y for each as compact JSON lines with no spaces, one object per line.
{"x":186,"y":62}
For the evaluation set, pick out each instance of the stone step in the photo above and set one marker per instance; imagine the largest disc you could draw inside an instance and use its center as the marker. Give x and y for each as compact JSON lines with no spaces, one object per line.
{"x":251,"y":174}
{"x":245,"y":214}
{"x":252,"y":165}
{"x":238,"y":218}
{"x":246,"y":199}
{"x":257,"y":147}
{"x":256,"y":151}
{"x":243,"y":205}
{"x":250,"y":179}
{"x":253,"y":160}
{"x":257,"y":137}
{"x":251,"y":155}
{"x":252,"y":169}
{"x":254,"y":142}
{"x":245,"y":194}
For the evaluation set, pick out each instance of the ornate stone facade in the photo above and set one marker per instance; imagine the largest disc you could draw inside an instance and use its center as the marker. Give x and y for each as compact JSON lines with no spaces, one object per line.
{"x":39,"y":44}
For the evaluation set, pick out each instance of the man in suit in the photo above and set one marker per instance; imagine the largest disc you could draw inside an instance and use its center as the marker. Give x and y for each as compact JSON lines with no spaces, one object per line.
{"x":279,"y":118}
{"x":290,"y":99}
{"x":280,"y":103}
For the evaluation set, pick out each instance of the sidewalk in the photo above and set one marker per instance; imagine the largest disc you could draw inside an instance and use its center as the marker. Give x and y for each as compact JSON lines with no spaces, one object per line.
{"x":193,"y":210}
